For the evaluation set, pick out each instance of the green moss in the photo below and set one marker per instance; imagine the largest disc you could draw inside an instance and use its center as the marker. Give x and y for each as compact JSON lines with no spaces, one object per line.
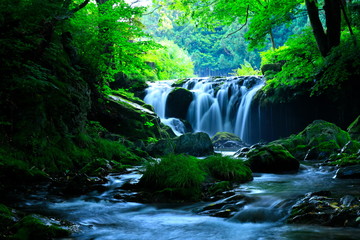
{"x":345,"y":159}
{"x":226,"y":168}
{"x":35,"y":227}
{"x":224,"y":136}
{"x":179,"y":174}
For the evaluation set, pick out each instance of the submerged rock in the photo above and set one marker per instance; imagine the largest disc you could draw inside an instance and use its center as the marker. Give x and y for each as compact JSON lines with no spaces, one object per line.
{"x":272,"y":158}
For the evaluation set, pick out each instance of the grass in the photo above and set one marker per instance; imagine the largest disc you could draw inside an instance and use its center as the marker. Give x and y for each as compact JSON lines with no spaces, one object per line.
{"x":226,"y":168}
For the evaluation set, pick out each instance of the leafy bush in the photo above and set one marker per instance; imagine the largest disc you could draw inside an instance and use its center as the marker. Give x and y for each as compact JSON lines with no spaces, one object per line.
{"x":226,"y":168}
{"x":246,"y":70}
{"x":180,"y":174}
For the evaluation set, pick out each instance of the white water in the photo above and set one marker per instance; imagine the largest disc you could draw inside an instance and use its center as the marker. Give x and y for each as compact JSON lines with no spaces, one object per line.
{"x":101,"y":217}
{"x":219,"y":105}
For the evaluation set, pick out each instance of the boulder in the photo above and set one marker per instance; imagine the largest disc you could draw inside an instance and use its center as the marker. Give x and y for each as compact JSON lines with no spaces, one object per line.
{"x":272,"y":158}
{"x":354,"y":129}
{"x":271,"y":67}
{"x":129,"y":119}
{"x":177,"y":103}
{"x":348,"y":172}
{"x":225,"y":140}
{"x":318,"y":141}
{"x":196,"y":144}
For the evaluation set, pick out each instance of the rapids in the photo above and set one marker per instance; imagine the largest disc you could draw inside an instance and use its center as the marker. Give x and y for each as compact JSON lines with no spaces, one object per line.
{"x":101,"y":216}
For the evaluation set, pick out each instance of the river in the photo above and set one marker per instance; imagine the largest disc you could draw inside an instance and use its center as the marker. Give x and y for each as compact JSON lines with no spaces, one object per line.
{"x":101,"y":216}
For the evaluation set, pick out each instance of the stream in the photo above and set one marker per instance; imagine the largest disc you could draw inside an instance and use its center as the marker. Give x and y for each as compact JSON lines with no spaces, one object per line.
{"x":101,"y":216}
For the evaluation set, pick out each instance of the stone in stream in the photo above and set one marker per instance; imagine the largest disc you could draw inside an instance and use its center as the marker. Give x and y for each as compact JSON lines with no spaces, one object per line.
{"x":348,"y":172}
{"x":272,"y":158}
{"x":323,"y":209}
{"x":177,"y":103}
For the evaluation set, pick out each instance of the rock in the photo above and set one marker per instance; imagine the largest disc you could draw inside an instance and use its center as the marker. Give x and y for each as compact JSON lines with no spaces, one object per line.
{"x":129,"y":119}
{"x":354,"y":129}
{"x":177,"y":103}
{"x":324,"y":210}
{"x":272,"y":158}
{"x":351,"y":147}
{"x":161,"y":147}
{"x":195,"y":144}
{"x":242,"y":152}
{"x":321,"y":131}
{"x":348,"y":172}
{"x":39,"y":227}
{"x":225,"y":208}
{"x":318,"y":141}
{"x":225,"y":140}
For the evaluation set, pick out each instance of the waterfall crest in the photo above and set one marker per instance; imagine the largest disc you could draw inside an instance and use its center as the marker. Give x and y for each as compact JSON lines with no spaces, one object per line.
{"x":218,"y":105}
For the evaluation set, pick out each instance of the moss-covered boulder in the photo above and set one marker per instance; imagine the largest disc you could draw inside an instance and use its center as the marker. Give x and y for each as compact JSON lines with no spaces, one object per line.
{"x":162,"y":147}
{"x":354,"y":129}
{"x":318,"y":141}
{"x":177,"y":103}
{"x":38,"y":227}
{"x":226,"y":140}
{"x":195,"y":144}
{"x":129,"y":119}
{"x":272,"y":158}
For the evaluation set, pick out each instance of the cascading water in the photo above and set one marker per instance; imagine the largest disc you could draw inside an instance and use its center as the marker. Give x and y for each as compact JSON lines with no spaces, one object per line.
{"x":219,"y":104}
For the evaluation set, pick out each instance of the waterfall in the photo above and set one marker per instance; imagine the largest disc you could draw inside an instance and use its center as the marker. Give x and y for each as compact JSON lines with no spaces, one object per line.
{"x":219,"y":104}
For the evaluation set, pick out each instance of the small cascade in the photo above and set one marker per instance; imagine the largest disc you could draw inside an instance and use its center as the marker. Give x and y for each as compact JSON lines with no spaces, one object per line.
{"x":219,"y":104}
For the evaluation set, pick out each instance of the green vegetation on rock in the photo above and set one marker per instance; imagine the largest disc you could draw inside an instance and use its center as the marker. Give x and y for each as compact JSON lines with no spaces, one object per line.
{"x":226,"y":168}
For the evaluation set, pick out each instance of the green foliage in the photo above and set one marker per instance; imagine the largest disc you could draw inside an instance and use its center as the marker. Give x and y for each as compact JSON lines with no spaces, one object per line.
{"x":245,"y":70}
{"x":342,"y":65}
{"x":226,"y":168}
{"x":301,"y":60}
{"x":179,"y":173}
{"x":170,"y":61}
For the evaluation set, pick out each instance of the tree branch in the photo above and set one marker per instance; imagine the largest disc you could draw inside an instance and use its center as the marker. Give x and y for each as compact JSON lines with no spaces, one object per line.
{"x":246,"y":21}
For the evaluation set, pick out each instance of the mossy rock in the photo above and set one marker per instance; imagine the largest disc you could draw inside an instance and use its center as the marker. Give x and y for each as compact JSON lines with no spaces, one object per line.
{"x":226,"y":139}
{"x":319,"y":141}
{"x":219,"y":187}
{"x":161,"y":148}
{"x":354,"y":129}
{"x":195,"y":144}
{"x":7,"y":218}
{"x":180,"y":82}
{"x":321,"y":131}
{"x":272,"y":158}
{"x":38,"y":227}
{"x":177,"y":103}
{"x":322,"y":151}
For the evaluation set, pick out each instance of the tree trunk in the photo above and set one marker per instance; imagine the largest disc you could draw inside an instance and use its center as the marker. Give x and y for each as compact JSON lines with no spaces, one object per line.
{"x":318,"y":30}
{"x":333,"y":22}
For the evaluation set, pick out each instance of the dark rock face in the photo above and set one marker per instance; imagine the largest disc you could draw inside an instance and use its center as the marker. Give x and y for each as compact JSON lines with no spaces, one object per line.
{"x":272,"y":158}
{"x":177,"y":103}
{"x":273,"y":67}
{"x":348,"y":172}
{"x":196,"y":144}
{"x":162,"y":147}
{"x":320,"y":208}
